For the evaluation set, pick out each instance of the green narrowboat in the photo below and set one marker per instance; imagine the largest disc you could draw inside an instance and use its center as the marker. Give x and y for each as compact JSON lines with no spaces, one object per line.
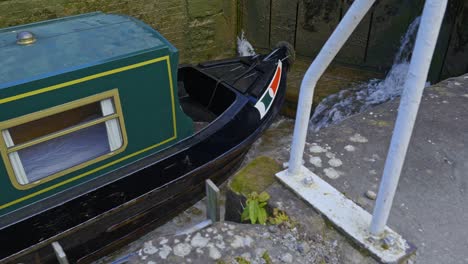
{"x":104,"y":135}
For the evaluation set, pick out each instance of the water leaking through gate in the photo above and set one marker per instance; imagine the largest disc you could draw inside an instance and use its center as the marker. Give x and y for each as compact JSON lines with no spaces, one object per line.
{"x":337,"y":107}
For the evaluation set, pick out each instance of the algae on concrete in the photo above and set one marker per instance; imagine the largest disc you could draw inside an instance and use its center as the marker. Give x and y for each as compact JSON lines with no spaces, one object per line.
{"x":266,"y":257}
{"x":256,"y":176}
{"x":380,"y":123}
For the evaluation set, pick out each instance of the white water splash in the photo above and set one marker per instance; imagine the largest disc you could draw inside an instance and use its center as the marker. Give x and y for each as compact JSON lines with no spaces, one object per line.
{"x":244,"y":48}
{"x":337,"y":107}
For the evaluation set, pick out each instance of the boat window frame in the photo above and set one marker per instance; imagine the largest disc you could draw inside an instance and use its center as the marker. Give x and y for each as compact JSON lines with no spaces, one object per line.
{"x":5,"y":125}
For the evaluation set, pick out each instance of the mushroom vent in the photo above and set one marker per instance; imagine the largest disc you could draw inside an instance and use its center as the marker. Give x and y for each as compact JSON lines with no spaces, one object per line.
{"x":25,"y":38}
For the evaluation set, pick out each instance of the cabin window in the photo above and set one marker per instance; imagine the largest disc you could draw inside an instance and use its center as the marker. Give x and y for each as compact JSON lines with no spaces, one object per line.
{"x":55,"y":142}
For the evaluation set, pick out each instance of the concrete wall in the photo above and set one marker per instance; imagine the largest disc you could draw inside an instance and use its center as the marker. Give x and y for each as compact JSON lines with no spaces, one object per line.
{"x":200,"y":29}
{"x":456,"y":57}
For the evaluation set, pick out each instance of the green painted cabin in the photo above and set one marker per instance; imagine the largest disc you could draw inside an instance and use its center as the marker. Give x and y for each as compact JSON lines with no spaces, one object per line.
{"x":97,"y":73}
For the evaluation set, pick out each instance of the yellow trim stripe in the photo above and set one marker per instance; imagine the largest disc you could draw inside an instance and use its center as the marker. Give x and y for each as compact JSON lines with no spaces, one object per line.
{"x":84,"y":79}
{"x":172,"y":97}
{"x":91,"y":77}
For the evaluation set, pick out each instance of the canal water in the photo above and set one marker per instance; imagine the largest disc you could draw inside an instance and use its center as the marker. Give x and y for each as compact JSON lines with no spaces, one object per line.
{"x":339,"y":106}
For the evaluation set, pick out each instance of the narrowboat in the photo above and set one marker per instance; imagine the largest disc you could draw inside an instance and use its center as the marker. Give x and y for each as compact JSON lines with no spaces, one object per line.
{"x":104,"y":135}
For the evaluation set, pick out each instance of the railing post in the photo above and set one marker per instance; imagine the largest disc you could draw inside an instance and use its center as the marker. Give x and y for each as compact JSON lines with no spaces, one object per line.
{"x":347,"y":25}
{"x":59,"y":253}
{"x":212,"y":201}
{"x":426,"y":40}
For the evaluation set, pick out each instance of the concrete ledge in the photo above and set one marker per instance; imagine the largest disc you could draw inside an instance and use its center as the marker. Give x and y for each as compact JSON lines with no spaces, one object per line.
{"x":347,"y":216}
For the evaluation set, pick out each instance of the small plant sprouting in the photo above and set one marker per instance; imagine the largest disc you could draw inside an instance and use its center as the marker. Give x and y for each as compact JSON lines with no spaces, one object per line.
{"x":278,"y":217}
{"x":255,"y":210}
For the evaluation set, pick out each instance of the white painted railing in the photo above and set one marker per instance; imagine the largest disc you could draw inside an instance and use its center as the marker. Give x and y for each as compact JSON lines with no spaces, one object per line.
{"x":333,"y":45}
{"x":426,"y":40}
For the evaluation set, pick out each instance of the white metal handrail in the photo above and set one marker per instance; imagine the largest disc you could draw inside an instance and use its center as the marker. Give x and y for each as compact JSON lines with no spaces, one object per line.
{"x":426,"y":40}
{"x":345,"y":28}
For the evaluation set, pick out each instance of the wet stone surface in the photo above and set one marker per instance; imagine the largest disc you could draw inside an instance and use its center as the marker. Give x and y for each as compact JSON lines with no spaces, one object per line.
{"x":433,"y":183}
{"x":234,"y":243}
{"x":350,"y":156}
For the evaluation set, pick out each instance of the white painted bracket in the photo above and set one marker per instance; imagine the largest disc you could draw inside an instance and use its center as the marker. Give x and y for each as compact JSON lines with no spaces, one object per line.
{"x":59,"y":253}
{"x":347,"y":216}
{"x":212,"y":201}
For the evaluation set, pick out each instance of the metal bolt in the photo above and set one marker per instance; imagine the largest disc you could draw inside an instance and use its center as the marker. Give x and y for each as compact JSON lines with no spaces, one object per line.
{"x":388,"y":241}
{"x":308,"y":180}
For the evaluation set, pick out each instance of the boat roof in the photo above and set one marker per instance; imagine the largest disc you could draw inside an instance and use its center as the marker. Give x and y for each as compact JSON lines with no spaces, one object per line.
{"x":74,"y":42}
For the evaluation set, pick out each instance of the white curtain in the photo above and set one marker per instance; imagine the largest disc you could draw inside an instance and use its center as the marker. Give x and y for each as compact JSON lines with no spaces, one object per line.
{"x":113,"y":129}
{"x":15,"y":159}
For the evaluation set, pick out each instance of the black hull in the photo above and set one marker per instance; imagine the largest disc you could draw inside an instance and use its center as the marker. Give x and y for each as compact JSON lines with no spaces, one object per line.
{"x":146,"y":194}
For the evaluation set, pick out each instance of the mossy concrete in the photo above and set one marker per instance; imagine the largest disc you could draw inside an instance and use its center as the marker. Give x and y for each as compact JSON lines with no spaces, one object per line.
{"x":201,"y":29}
{"x":255,"y":176}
